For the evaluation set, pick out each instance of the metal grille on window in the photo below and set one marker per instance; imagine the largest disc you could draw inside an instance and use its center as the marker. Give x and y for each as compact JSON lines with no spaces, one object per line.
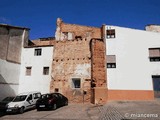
{"x":45,"y":70}
{"x":111,"y":33}
{"x":38,"y":52}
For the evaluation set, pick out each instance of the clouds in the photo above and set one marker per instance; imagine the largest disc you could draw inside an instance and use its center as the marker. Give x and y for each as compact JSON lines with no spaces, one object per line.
{"x":4,"y":20}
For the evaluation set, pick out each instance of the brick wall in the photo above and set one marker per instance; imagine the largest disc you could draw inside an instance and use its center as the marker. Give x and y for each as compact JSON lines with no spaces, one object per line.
{"x":71,"y":31}
{"x":71,"y":59}
{"x":98,"y":63}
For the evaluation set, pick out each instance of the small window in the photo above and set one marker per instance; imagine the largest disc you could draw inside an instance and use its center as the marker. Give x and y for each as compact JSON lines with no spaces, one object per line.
{"x":38,"y":52}
{"x":111,"y":33}
{"x":76,"y":83}
{"x":111,"y":61}
{"x":154,"y":54}
{"x":56,"y":90}
{"x":45,"y":70}
{"x":28,"y":71}
{"x":65,"y":35}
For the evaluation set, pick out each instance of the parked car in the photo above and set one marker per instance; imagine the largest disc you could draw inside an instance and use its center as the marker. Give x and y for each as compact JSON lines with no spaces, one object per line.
{"x":22,"y":102}
{"x":4,"y":103}
{"x":51,"y":101}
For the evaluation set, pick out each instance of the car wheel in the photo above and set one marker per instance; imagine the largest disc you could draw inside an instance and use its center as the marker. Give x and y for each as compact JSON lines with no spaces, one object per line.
{"x":21,"y":110}
{"x":54,"y":106}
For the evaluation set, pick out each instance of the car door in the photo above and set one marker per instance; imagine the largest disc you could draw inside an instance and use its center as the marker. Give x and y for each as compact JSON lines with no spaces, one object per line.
{"x":36,"y":96}
{"x":60,"y":98}
{"x":29,"y":102}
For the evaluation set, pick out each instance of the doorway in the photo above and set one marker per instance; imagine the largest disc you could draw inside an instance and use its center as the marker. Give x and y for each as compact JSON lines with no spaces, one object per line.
{"x":156,"y":85}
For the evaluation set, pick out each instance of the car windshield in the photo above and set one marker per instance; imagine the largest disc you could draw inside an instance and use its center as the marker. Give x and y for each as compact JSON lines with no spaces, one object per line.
{"x":46,"y":96}
{"x":8,"y":99}
{"x":20,"y":98}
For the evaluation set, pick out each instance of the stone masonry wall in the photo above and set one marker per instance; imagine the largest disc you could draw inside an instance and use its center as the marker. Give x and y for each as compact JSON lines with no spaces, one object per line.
{"x":98,"y":63}
{"x":71,"y":59}
{"x":67,"y":31}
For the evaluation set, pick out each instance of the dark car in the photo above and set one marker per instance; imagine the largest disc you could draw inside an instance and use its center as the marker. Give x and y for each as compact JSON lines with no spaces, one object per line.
{"x":51,"y":101}
{"x":4,"y":103}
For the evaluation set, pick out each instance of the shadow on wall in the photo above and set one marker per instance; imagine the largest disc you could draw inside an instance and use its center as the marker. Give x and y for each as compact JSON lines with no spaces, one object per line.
{"x":6,"y":89}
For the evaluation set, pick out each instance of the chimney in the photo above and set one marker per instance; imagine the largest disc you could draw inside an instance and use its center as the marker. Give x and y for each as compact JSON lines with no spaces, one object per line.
{"x":59,"y":21}
{"x":103,"y":32}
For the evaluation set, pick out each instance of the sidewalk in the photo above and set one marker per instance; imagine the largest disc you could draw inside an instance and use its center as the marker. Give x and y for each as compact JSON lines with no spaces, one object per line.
{"x":130,"y":110}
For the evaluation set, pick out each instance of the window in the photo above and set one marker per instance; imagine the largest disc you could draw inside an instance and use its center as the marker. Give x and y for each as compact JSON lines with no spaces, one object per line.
{"x":65,"y":35}
{"x":45,"y":70}
{"x":154,"y":54}
{"x":111,"y":61}
{"x":76,"y":83}
{"x":36,"y":95}
{"x":28,"y":71}
{"x":111,"y":33}
{"x":29,"y":98}
{"x":38,"y":52}
{"x":56,"y":90}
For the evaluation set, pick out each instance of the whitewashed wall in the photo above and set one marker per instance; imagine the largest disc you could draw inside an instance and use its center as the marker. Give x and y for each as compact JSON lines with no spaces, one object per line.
{"x":37,"y":81}
{"x":133,"y":68}
{"x":9,"y":78}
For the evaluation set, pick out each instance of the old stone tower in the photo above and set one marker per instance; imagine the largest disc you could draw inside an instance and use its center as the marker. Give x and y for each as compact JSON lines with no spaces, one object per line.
{"x":78,"y":68}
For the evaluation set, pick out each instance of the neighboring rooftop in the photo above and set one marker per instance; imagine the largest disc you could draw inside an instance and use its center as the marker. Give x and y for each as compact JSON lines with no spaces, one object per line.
{"x":153,"y":28}
{"x":6,"y":25}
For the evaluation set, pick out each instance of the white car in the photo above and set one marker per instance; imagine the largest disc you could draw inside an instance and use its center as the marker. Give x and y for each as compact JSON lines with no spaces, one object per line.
{"x":23,"y":102}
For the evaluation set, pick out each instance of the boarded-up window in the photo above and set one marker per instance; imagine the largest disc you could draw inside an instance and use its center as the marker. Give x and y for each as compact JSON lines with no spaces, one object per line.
{"x":111,"y":61}
{"x":28,"y":71}
{"x":45,"y":70}
{"x":154,"y":54}
{"x":111,"y":33}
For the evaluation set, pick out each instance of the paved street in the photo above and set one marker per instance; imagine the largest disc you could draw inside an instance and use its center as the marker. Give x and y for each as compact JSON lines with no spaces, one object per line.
{"x":118,"y":110}
{"x":70,"y":112}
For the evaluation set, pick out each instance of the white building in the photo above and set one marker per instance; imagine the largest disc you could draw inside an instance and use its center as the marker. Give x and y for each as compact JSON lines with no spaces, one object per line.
{"x":36,"y":69}
{"x":12,"y":40}
{"x":133,"y":63}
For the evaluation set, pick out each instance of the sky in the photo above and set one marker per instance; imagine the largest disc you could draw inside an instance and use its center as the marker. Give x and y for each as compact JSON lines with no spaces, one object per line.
{"x":40,"y":15}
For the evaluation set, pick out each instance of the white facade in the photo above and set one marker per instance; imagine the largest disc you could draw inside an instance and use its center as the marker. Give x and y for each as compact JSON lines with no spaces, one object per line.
{"x":133,"y":68}
{"x":37,"y":81}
